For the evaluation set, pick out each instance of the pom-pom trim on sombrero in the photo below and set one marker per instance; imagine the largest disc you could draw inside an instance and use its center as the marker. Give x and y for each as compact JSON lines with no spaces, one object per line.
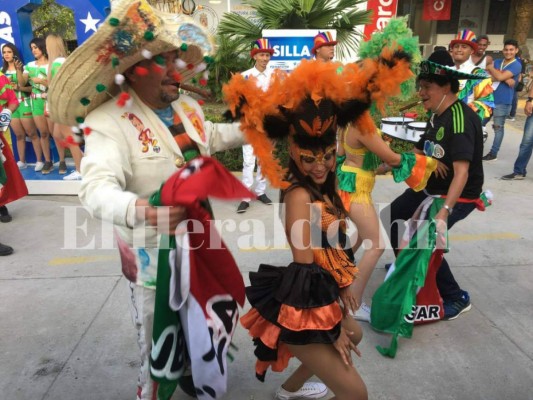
{"x":134,"y":31}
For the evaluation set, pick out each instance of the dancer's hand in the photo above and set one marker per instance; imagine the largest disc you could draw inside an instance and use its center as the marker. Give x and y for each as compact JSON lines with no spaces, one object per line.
{"x":441,"y":221}
{"x":345,"y":346}
{"x":442,"y":170}
{"x":348,"y":299}
{"x":383,"y":169}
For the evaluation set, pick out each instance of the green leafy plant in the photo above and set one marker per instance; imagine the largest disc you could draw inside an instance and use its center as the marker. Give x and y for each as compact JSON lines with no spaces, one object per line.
{"x":53,"y":18}
{"x":231,"y":57}
{"x":340,"y":15}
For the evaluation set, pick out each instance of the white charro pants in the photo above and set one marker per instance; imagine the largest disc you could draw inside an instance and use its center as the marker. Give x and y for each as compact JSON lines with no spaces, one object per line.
{"x":142,"y":303}
{"x":248,"y":165}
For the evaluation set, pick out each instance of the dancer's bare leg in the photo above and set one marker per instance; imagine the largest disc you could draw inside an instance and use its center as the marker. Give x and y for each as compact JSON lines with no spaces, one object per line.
{"x":367,"y":222}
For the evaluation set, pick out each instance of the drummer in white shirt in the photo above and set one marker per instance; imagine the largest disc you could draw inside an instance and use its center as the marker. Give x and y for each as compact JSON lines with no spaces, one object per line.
{"x":261,"y":53}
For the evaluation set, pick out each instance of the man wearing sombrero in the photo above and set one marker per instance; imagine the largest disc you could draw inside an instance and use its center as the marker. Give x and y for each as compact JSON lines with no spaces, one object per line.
{"x":261,"y":53}
{"x":476,"y":93}
{"x":121,"y":90}
{"x":453,"y":137}
{"x":324,"y":46}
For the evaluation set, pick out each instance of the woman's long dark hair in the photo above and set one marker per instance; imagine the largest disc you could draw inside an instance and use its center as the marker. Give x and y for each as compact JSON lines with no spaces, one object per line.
{"x":16,"y":53}
{"x":41,"y":44}
{"x":329,"y":187}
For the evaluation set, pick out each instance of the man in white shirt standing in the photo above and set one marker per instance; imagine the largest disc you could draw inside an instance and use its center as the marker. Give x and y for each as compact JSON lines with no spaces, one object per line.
{"x":261,"y":53}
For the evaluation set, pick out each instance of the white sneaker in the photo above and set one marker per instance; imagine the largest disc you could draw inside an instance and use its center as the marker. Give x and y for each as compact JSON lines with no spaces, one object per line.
{"x":39,"y":166}
{"x":21,"y":165}
{"x":310,"y":390}
{"x":73,"y":176}
{"x":363,"y":313}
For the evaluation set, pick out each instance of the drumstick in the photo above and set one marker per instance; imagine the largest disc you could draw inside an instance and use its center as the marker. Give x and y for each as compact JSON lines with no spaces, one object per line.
{"x":408,"y":106}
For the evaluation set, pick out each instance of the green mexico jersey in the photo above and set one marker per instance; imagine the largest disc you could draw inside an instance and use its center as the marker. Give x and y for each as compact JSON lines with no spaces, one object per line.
{"x":12,"y":76}
{"x":36,"y":71}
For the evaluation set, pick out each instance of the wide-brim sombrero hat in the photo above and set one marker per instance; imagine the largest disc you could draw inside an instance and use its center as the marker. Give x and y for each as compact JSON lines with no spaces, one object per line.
{"x":440,"y":63}
{"x":430,"y":68}
{"x":131,"y":33}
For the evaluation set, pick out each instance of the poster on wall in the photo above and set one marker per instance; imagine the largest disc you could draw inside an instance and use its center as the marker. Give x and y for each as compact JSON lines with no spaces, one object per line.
{"x":247,"y":12}
{"x":437,"y":10}
{"x":207,"y":17}
{"x":471,"y":15}
{"x":291,"y":46}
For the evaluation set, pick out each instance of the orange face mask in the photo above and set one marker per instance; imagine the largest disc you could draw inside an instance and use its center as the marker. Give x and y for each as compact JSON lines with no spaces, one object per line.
{"x":301,"y":156}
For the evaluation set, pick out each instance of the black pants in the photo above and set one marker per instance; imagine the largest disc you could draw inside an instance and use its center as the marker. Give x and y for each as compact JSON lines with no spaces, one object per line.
{"x":402,"y":209}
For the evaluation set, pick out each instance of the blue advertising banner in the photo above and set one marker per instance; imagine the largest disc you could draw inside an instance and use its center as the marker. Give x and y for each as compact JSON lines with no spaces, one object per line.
{"x":290,"y":46}
{"x":16,"y":28}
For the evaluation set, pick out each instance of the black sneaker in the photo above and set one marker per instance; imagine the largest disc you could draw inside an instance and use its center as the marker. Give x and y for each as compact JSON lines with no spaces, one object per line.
{"x":513,"y":177}
{"x":62,"y":168}
{"x":453,"y":309}
{"x":5,"y":250}
{"x":264,"y":199}
{"x":47,"y":168}
{"x":490,"y":157}
{"x":243,"y":207}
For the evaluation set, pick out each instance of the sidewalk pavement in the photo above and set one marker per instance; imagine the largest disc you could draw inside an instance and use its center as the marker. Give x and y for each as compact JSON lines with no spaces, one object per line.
{"x":66,"y":333}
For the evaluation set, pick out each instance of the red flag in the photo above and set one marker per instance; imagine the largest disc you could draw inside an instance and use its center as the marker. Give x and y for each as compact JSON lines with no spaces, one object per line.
{"x":383,"y":11}
{"x":437,"y":10}
{"x":15,"y":187}
{"x":198,"y":279}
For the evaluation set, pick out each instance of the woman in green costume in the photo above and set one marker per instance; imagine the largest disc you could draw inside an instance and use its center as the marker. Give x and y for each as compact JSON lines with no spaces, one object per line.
{"x":22,"y":119}
{"x":360,"y":154}
{"x":36,"y":73}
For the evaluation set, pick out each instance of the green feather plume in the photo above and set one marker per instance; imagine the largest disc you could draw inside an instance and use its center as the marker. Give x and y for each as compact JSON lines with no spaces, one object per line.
{"x":397,"y":31}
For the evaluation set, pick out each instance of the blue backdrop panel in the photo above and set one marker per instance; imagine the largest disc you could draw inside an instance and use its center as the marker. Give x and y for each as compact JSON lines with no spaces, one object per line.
{"x":15,"y":22}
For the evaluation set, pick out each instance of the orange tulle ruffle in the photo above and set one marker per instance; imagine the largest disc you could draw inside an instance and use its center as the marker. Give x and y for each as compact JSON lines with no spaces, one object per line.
{"x":258,"y":327}
{"x":316,"y":318}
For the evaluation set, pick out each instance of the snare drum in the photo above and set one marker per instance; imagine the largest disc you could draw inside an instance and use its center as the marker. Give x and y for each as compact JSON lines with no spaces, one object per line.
{"x":395,"y":127}
{"x":415,"y":131}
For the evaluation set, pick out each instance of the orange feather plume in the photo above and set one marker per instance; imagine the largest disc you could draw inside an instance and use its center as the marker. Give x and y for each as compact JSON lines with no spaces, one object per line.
{"x":367,"y":81}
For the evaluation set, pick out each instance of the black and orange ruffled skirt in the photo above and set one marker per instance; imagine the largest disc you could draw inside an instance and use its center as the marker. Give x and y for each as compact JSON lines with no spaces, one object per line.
{"x":290,"y":305}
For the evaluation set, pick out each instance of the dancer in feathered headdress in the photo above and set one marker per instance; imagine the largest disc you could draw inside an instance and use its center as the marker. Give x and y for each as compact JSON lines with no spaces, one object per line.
{"x":307,"y":107}
{"x":360,"y":154}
